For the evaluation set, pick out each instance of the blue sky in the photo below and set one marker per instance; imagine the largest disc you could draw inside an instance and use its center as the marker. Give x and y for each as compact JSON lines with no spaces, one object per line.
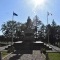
{"x":25,"y":8}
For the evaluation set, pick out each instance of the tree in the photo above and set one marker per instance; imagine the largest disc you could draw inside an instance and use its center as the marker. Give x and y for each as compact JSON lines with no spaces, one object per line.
{"x":18,"y":29}
{"x":9,"y":28}
{"x":57,"y":35}
{"x":36,"y":22}
{"x":51,"y":31}
{"x":42,"y":31}
{"x":48,"y":31}
{"x":53,"y":23}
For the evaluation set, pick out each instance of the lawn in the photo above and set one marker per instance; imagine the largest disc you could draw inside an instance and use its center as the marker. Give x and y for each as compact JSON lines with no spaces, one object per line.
{"x":54,"y":56}
{"x":4,"y":53}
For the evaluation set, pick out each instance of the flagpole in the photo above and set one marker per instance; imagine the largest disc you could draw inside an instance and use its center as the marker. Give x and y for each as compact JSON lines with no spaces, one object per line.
{"x":14,"y":14}
{"x":12,"y":17}
{"x":47,"y":26}
{"x":47,"y":18}
{"x":12,"y":28}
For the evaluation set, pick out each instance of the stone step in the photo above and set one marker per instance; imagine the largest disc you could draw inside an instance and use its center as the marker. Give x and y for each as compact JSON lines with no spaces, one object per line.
{"x":31,"y":46}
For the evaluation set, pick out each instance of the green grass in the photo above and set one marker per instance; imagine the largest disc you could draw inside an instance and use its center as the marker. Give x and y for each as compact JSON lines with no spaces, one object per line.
{"x":4,"y":53}
{"x":54,"y":56}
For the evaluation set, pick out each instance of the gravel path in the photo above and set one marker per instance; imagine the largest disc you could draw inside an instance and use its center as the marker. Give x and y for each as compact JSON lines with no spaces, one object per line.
{"x":36,"y":55}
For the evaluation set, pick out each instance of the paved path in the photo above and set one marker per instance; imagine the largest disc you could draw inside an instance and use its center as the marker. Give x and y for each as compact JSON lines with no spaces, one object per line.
{"x":36,"y":55}
{"x":2,"y":48}
{"x":55,"y":48}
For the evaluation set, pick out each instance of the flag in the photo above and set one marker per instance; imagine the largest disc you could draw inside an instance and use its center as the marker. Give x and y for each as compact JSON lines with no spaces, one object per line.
{"x":49,"y":13}
{"x":14,"y":14}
